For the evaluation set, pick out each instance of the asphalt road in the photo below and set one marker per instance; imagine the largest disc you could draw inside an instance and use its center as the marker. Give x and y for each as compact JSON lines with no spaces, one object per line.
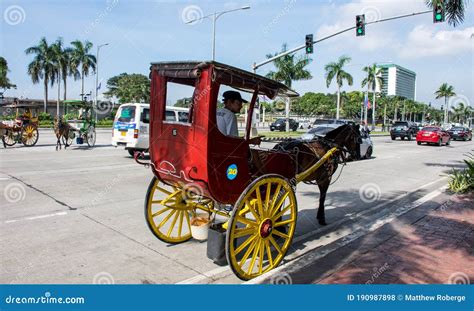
{"x":76,"y":215}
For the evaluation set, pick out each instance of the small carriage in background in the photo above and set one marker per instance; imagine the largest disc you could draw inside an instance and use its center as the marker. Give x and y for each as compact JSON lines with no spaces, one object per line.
{"x":24,"y":128}
{"x":196,"y":167}
{"x":82,"y":126}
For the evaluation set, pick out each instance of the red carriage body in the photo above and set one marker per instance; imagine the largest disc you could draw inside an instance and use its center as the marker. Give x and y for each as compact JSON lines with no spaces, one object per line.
{"x":196,"y":152}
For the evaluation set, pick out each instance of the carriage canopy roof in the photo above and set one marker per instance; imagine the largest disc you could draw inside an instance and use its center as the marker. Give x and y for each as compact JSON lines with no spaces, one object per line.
{"x":186,"y":71}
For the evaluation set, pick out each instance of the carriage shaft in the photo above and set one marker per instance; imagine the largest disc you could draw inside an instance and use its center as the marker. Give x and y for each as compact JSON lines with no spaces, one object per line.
{"x":303,"y":175}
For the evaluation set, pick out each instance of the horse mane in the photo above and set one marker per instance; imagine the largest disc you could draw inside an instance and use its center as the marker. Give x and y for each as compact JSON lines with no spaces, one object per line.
{"x":334,"y":133}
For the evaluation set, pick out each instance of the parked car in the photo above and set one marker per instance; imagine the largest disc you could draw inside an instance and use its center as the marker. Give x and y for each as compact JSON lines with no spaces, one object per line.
{"x":305,"y":124}
{"x":366,"y":148}
{"x":280,"y":125}
{"x":433,"y":135}
{"x":461,"y":133}
{"x":331,"y":121}
{"x":403,"y":129}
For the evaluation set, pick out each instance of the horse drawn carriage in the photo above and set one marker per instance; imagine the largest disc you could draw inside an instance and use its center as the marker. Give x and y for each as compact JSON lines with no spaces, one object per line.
{"x":81,"y":127}
{"x":196,"y":167}
{"x":23,"y":129}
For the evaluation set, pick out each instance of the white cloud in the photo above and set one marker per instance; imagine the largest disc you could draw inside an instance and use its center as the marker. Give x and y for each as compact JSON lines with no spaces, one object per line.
{"x":423,"y":41}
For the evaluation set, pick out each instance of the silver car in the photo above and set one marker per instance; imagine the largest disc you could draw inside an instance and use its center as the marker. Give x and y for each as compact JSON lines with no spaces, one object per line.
{"x":366,"y":148}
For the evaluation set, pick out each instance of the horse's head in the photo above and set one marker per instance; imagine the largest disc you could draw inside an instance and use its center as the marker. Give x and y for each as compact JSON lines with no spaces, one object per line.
{"x":348,"y":138}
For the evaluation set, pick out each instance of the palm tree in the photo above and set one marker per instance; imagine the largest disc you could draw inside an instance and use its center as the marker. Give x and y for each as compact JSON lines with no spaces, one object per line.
{"x":42,"y":66}
{"x":454,"y":9}
{"x":4,"y":81}
{"x":289,"y":68}
{"x":446,"y":91}
{"x":371,"y":80}
{"x":462,"y":112}
{"x":82,"y":60}
{"x":335,"y":70}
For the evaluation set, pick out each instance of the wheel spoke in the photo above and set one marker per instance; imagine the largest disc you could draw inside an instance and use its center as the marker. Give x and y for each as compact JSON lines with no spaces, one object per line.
{"x":170,"y":230}
{"x":269,"y":252}
{"x":280,"y":234}
{"x":275,"y":197}
{"x":180,"y":226}
{"x":254,"y":256}
{"x":275,"y":244}
{"x":285,"y":222}
{"x":280,"y":202}
{"x":252,"y":210}
{"x":166,"y":218}
{"x":282,"y":212}
{"x":243,"y":232}
{"x":246,"y":221}
{"x":267,"y":197}
{"x":243,"y":245}
{"x":259,"y":202}
{"x":160,"y":212}
{"x":261,"y":257}
{"x":247,"y":253}
{"x":188,"y":220}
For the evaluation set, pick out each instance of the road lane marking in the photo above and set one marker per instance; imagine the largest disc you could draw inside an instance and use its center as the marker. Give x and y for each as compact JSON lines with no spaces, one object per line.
{"x":333,"y":236}
{"x":35,"y":217}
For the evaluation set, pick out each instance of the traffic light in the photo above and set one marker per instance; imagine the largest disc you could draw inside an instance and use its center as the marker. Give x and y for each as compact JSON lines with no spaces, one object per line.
{"x":360,"y":25}
{"x":309,"y":44}
{"x":438,"y":11}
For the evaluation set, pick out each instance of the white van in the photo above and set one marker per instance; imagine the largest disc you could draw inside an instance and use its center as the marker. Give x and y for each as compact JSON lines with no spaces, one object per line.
{"x":132,"y":125}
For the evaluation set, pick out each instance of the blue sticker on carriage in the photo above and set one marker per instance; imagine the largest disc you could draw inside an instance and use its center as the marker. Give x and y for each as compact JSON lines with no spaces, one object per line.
{"x":232,"y":172}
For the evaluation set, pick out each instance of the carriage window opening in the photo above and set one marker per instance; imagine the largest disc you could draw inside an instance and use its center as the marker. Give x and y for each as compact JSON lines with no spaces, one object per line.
{"x":231,"y":117}
{"x":179,"y":99}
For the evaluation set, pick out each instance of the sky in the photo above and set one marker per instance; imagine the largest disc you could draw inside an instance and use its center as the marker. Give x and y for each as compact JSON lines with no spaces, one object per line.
{"x":140,"y":32}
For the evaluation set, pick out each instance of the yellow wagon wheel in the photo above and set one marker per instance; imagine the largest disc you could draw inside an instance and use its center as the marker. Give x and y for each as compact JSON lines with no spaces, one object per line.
{"x":261,"y":227}
{"x":29,"y":135}
{"x":10,"y":137}
{"x":168,"y":211}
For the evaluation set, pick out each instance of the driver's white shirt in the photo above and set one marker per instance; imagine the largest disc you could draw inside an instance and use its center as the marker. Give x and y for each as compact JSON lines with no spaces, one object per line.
{"x":227,"y":122}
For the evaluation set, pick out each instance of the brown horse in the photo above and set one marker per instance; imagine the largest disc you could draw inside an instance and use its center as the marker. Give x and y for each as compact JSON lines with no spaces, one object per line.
{"x":61,"y":129}
{"x":346,"y":138}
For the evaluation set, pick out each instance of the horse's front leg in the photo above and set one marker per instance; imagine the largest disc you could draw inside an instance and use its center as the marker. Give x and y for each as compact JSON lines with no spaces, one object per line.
{"x":323,"y":189}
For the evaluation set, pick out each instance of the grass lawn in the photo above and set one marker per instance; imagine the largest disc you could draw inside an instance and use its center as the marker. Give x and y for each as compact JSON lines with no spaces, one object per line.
{"x":282,"y":134}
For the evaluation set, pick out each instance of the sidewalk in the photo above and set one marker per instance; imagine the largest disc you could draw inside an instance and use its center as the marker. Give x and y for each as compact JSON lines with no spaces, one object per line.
{"x":437,"y":247}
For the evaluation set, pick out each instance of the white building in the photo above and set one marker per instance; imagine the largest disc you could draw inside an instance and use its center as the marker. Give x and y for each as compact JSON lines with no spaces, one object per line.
{"x":397,"y":81}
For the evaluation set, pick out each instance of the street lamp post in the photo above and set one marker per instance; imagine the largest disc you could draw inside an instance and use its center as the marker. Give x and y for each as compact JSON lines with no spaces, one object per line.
{"x":97,"y":77}
{"x":214,"y":16}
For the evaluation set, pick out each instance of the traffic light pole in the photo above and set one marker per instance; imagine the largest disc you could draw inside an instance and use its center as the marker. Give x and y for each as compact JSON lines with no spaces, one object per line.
{"x":256,"y":66}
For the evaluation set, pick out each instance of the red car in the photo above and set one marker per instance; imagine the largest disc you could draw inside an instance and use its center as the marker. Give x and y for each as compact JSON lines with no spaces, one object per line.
{"x":433,"y":135}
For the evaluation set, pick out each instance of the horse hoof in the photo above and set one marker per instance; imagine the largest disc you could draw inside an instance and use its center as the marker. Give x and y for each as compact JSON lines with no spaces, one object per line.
{"x":322,"y":222}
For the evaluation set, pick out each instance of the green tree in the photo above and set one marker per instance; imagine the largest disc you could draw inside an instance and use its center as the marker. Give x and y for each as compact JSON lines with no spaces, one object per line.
{"x":133,"y":88}
{"x":371,"y":80}
{"x":446,"y":91}
{"x":461,"y":112}
{"x":81,"y":60}
{"x":42,"y":67}
{"x":336,"y":70}
{"x":183,"y":102}
{"x":4,"y":81}
{"x":289,"y":68}
{"x":455,"y":10}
